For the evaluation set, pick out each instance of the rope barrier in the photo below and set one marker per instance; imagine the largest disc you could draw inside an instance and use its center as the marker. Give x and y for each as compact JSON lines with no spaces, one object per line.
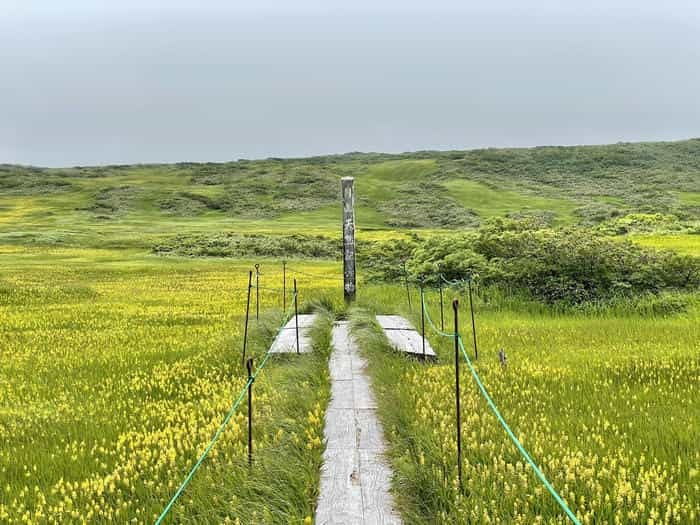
{"x":315,"y":276}
{"x":218,"y":432}
{"x":503,"y":423}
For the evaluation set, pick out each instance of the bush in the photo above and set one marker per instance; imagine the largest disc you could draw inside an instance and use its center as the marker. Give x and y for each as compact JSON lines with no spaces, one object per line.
{"x":236,"y":245}
{"x":570,"y":266}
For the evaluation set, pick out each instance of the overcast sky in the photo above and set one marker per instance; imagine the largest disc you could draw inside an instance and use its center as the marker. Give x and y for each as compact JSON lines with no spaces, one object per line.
{"x":100,"y":81}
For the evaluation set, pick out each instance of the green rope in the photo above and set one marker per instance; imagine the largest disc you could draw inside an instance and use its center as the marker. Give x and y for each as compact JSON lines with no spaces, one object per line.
{"x":503,"y":423}
{"x":221,"y":428}
{"x":430,"y":321}
{"x":192,"y":472}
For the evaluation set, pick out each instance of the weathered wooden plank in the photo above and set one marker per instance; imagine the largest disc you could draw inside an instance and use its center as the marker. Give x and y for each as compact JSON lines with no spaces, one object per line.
{"x":340,"y":367}
{"x":362,"y":392}
{"x":341,"y":395}
{"x":375,"y":475}
{"x":305,"y":321}
{"x":355,"y":478}
{"x":286,"y":341}
{"x":340,"y":485}
{"x":394,"y":322}
{"x":369,"y":431}
{"x":340,"y":430}
{"x":340,"y":339}
{"x":359,"y":364}
{"x":409,"y":342}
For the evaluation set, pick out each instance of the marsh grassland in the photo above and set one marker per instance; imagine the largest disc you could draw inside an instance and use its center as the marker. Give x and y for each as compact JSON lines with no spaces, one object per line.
{"x":123,"y":293}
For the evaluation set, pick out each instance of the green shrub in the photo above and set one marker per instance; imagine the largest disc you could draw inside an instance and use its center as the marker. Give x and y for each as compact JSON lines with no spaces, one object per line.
{"x":227,"y":244}
{"x":556,"y":266}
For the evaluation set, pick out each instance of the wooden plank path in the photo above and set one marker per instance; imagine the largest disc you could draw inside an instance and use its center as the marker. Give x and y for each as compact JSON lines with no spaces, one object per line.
{"x":286,"y":340}
{"x":403,"y":337}
{"x":355,"y":477}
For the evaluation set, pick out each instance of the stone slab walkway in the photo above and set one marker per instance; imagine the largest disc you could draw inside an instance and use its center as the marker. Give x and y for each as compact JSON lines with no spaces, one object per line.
{"x":355,"y":477}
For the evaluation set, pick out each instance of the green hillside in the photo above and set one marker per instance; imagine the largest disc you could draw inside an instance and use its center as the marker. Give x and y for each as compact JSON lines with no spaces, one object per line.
{"x":620,"y":186}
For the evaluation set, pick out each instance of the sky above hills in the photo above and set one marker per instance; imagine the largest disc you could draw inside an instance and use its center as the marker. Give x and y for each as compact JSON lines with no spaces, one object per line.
{"x":104,"y":82}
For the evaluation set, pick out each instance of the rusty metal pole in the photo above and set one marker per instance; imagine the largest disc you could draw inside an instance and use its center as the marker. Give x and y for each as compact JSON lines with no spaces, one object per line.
{"x":257,"y":292}
{"x":347,"y":185}
{"x":442,"y":309}
{"x":422,"y":314}
{"x":249,"y":365}
{"x":284,"y":287}
{"x":408,"y":290}
{"x":247,"y":315}
{"x":296,"y":314}
{"x":471,"y":307}
{"x":455,"y":307}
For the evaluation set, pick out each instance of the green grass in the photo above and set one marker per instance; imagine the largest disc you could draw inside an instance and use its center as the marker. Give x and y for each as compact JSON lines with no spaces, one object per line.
{"x":491,"y":202}
{"x":690,"y":198}
{"x":138,"y":206}
{"x":119,"y":365}
{"x":117,"y":369}
{"x":603,"y":403}
{"x":682,"y":243}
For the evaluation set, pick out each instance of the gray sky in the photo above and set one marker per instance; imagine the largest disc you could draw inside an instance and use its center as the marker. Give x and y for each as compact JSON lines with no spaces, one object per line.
{"x":99,"y":81}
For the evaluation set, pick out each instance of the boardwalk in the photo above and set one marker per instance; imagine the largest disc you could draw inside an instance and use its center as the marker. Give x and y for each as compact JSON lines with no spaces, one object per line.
{"x":355,"y":478}
{"x":404,"y":338}
{"x":286,"y":340}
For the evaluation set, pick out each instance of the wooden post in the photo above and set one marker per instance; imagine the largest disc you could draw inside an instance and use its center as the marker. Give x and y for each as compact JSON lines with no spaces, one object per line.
{"x":347,"y":185}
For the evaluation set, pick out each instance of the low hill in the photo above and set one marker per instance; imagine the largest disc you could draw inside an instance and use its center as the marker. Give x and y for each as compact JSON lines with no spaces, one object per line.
{"x":623,"y":187}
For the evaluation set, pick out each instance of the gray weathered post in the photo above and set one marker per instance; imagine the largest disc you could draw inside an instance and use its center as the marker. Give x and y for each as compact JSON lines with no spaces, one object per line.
{"x":347,"y":185}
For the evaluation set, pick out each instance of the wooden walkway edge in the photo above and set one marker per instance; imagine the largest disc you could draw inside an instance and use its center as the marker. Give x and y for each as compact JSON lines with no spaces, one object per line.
{"x":286,"y":340}
{"x":355,"y":477}
{"x":403,"y":337}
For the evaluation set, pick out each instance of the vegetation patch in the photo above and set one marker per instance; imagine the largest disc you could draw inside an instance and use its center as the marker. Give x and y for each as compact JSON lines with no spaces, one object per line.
{"x":570,"y":266}
{"x":228,"y":244}
{"x":20,"y":180}
{"x":113,"y":202}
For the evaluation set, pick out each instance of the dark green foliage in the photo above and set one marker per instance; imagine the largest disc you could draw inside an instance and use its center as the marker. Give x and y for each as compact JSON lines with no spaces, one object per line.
{"x":227,"y":244}
{"x":606,"y":182}
{"x":597,"y":212}
{"x":423,"y":205}
{"x":570,"y":266}
{"x":113,"y":202}
{"x":385,"y":260}
{"x":19,"y":180}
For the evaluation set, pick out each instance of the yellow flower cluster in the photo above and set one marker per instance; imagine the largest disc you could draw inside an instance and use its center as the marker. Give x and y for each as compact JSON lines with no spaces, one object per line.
{"x":616,"y":436}
{"x":115,"y":375}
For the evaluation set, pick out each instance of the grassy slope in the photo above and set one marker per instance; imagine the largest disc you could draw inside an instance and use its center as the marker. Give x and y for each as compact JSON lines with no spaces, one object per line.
{"x":138,"y":205}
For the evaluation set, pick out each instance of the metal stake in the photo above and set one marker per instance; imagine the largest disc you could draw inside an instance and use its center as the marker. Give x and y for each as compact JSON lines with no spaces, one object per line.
{"x":249,"y":365}
{"x":408,"y":291}
{"x":471,"y":307}
{"x":247,"y":314}
{"x":442,"y":310}
{"x":422,"y":314}
{"x":296,"y":313}
{"x":257,"y":292}
{"x":455,"y":307}
{"x":284,"y":286}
